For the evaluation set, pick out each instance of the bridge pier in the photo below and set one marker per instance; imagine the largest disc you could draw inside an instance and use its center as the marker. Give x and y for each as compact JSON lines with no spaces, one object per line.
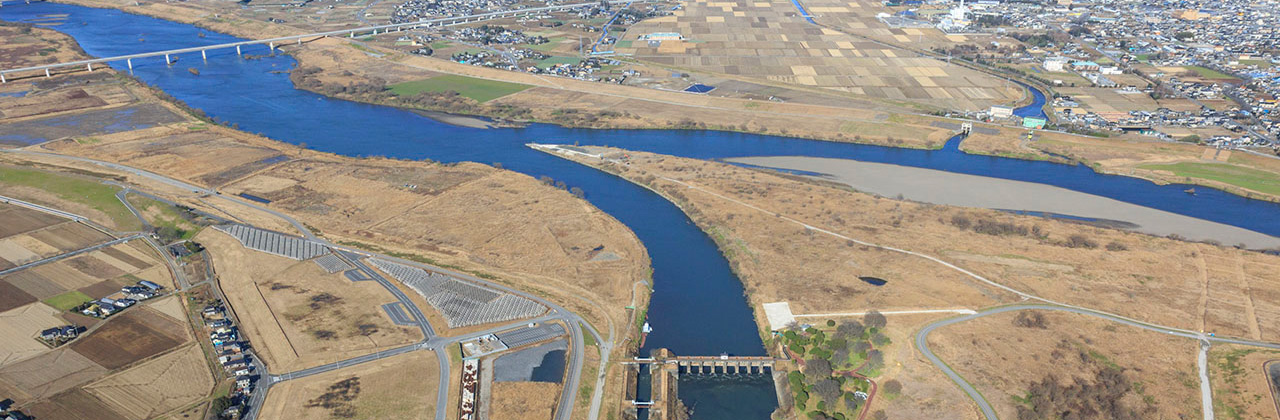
{"x":271,"y":46}
{"x":129,"y":62}
{"x":46,"y":73}
{"x":204,"y":55}
{"x":238,"y":50}
{"x":167,"y":61}
{"x":90,"y":66}
{"x":2,"y":78}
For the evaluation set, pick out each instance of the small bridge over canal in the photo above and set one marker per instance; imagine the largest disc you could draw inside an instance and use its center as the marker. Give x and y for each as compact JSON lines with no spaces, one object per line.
{"x":272,"y":43}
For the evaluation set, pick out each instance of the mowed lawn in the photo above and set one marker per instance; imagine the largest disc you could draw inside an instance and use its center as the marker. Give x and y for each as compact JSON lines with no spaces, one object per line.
{"x":479,"y":89}
{"x":1209,"y":73}
{"x":1253,"y":179}
{"x":68,"y":301}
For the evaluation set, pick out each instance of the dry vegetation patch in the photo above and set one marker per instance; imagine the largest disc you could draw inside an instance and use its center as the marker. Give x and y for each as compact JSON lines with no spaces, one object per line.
{"x":399,"y":387}
{"x":523,"y":400}
{"x":157,"y":386}
{"x":1165,"y":281}
{"x":20,"y":326}
{"x":1043,"y":364}
{"x":297,"y":315}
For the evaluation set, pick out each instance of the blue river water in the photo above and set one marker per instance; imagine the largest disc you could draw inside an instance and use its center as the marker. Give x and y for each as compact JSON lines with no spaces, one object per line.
{"x":698,"y":307}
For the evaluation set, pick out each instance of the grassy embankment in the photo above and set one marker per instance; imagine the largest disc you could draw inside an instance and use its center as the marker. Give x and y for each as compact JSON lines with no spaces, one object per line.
{"x":98,"y":196}
{"x":480,"y":90}
{"x":1248,"y":178}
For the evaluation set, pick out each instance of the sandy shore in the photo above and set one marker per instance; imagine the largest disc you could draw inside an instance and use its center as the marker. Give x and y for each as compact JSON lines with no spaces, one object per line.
{"x":940,"y":187}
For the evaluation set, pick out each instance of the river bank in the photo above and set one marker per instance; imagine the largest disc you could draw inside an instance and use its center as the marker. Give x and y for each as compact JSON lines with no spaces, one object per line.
{"x":603,"y":106}
{"x":937,"y":187}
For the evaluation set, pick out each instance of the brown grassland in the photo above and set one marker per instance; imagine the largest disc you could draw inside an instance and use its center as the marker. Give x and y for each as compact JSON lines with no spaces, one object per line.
{"x":399,"y":387}
{"x":156,"y":386}
{"x":1241,"y":388}
{"x":1061,"y":347}
{"x":48,"y":374}
{"x":754,"y":216}
{"x":296,"y":315}
{"x":523,"y":400}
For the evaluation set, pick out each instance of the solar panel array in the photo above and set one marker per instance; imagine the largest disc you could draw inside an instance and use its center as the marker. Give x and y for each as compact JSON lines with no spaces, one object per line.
{"x":332,"y":263}
{"x":274,"y":243}
{"x":461,"y":303}
{"x":525,"y":336}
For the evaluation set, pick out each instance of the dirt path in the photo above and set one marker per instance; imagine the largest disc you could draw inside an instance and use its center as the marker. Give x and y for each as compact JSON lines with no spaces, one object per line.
{"x":1203,"y":304}
{"x":1255,"y":331}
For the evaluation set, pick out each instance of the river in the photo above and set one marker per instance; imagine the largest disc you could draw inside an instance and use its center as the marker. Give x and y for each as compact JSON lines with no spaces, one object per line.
{"x":698,"y":307}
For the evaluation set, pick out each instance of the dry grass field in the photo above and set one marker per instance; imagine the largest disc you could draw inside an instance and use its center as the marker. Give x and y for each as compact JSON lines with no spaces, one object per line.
{"x":25,"y":47}
{"x":523,"y":400}
{"x":156,"y":386}
{"x":399,"y":387}
{"x":755,"y":217}
{"x":1003,"y":358}
{"x":76,"y":404}
{"x":297,"y":315}
{"x":96,"y":274}
{"x":131,"y":336}
{"x":1241,"y":388}
{"x":20,"y":326}
{"x":1180,"y":284}
{"x":48,"y":374}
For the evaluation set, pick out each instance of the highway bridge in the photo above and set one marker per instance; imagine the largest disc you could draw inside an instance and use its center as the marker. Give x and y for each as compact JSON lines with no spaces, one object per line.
{"x":271,"y":43}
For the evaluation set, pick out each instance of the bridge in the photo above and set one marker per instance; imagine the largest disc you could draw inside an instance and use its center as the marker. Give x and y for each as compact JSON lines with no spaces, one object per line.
{"x":271,"y":43}
{"x":730,"y":365}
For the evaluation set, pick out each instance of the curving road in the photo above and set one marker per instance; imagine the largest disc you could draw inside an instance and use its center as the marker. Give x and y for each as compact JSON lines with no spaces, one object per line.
{"x":923,"y":344}
{"x":574,"y":323}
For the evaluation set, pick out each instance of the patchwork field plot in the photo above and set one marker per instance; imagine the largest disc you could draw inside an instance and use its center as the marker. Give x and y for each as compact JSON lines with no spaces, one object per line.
{"x":130,"y":337}
{"x":21,"y":220}
{"x":95,"y":274}
{"x":74,"y":405}
{"x":12,"y":297}
{"x":297,"y":314}
{"x":400,"y":387}
{"x":50,"y":373}
{"x":20,"y":326}
{"x":47,"y":241}
{"x":156,"y":386}
{"x":769,"y":40}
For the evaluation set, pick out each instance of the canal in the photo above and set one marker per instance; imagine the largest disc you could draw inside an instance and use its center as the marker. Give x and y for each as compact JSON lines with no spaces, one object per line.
{"x":698,"y":307}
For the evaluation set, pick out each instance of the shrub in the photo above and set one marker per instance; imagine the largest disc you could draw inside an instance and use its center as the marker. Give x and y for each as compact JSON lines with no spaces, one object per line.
{"x":1080,"y":241}
{"x":1116,"y":246}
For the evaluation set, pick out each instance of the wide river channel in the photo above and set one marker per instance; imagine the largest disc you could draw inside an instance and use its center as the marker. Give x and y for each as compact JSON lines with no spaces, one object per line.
{"x":698,"y":307}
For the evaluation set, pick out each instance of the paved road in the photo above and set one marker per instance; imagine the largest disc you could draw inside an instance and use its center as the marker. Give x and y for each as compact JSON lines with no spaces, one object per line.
{"x":1206,"y":389}
{"x":347,"y":363}
{"x":573,"y":322}
{"x":923,"y":344}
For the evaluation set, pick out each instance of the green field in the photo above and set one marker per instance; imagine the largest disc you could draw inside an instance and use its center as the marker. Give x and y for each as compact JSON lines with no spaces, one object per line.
{"x":1260,"y":63}
{"x":1209,"y":73}
{"x":93,"y":194}
{"x":479,"y":89}
{"x":551,"y":61}
{"x":68,"y":301}
{"x":172,"y":225}
{"x":1253,"y":179}
{"x":551,"y":44}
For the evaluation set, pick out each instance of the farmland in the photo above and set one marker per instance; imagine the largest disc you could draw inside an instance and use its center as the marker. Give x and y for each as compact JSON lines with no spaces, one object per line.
{"x":20,"y":326}
{"x":400,"y":387}
{"x":156,"y":386}
{"x":130,"y":337}
{"x":480,"y":90}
